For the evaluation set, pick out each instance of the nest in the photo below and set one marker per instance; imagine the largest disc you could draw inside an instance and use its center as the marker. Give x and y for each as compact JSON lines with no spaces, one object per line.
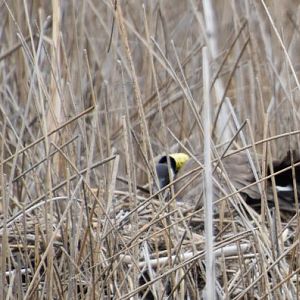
{"x":147,"y":245}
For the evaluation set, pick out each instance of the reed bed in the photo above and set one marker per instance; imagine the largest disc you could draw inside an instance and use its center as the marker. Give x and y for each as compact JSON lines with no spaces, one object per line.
{"x":92,"y":94}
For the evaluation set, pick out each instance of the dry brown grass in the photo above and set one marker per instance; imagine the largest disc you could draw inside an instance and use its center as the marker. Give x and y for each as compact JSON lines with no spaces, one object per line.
{"x":91,"y":95}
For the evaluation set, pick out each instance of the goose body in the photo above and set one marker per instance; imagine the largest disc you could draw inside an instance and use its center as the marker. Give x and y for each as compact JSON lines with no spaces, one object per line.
{"x":236,"y":173}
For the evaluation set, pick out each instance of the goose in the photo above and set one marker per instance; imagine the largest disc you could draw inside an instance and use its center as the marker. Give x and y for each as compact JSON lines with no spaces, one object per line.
{"x":232,"y":173}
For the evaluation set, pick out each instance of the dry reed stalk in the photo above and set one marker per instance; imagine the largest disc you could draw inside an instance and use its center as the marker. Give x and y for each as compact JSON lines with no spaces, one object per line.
{"x":211,"y":29}
{"x":210,"y":275}
{"x":125,"y":108}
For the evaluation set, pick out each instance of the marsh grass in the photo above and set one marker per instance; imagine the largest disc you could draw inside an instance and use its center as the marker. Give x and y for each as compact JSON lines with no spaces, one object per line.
{"x":92,"y":93}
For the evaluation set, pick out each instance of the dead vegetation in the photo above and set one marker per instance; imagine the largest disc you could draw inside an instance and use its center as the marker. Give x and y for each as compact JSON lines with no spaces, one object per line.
{"x":92,"y":92}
